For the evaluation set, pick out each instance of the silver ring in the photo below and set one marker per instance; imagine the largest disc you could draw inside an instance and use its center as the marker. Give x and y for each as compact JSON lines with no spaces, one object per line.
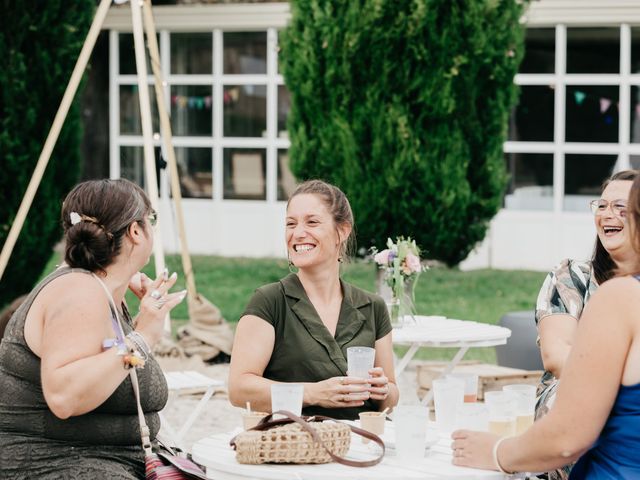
{"x":155,"y":294}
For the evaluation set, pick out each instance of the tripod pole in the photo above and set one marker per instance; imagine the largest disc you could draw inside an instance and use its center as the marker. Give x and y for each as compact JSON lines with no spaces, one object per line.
{"x":165,"y":130}
{"x":54,"y":132}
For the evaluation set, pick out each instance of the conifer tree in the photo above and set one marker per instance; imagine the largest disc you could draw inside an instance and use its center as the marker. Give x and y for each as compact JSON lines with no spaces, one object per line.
{"x":404,"y":104}
{"x":40,"y":43}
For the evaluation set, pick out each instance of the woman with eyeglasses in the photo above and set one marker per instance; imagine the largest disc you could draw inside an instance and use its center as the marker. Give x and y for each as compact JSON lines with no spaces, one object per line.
{"x":67,"y":406}
{"x":596,"y":416}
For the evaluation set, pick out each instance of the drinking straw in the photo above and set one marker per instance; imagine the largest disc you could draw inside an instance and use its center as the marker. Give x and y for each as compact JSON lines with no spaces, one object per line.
{"x":384,"y":412}
{"x":248,"y":407}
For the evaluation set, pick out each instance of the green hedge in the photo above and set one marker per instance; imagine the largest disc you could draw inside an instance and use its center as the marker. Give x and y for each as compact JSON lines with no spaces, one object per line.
{"x":404,"y":104}
{"x":39,"y":43}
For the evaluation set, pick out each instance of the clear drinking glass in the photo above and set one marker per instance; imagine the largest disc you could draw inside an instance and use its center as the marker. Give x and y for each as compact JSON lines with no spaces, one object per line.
{"x":410,"y":423}
{"x":360,"y":360}
{"x":287,"y":396}
{"x":448,"y":395}
{"x":502,"y":413}
{"x":470,"y":385}
{"x":525,"y":396}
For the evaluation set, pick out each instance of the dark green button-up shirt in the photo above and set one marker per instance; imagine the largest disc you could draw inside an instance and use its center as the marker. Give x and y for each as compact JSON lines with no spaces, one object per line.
{"x":304,"y":350}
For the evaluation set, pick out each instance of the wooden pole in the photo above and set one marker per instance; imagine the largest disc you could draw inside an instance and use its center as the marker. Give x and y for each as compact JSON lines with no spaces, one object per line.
{"x":54,"y":132}
{"x":165,"y":131}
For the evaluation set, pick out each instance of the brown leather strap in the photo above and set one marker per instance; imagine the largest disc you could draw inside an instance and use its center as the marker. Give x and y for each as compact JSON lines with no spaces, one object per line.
{"x":267,"y":423}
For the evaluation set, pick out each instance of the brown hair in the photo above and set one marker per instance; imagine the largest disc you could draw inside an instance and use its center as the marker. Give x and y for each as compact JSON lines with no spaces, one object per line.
{"x":634,"y":214}
{"x":105,"y":209}
{"x":603,"y":265}
{"x":338,"y":206}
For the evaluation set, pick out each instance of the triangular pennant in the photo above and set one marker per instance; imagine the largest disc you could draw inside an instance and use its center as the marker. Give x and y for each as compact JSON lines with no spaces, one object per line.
{"x":579,"y":96}
{"x":605,"y":103}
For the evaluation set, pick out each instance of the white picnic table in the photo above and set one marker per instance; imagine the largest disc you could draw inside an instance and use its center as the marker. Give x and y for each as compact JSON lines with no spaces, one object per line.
{"x":219,"y":460}
{"x":442,"y":332}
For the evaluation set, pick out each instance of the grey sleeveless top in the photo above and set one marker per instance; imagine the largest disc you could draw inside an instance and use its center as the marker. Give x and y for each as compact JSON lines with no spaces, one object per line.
{"x":24,"y":412}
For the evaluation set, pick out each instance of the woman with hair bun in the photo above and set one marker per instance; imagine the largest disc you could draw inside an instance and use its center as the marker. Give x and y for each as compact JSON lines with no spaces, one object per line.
{"x":298,"y":329}
{"x":67,"y":408}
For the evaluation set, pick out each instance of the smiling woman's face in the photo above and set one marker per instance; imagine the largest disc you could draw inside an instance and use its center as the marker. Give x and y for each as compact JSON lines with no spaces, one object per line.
{"x":311,"y":234}
{"x":612,"y":229}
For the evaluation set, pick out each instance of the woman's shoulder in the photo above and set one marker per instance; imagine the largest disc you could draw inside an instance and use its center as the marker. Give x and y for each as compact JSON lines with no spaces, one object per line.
{"x":571,"y":266}
{"x":359,"y":296}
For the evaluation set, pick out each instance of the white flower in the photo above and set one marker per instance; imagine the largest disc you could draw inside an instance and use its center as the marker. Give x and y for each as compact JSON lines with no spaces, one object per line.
{"x":75,"y":218}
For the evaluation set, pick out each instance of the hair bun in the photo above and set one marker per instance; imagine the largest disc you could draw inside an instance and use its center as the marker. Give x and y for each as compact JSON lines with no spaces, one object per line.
{"x":88,"y":246}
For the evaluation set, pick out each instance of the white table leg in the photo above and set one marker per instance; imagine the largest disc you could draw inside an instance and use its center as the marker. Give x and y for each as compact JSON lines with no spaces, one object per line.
{"x":447,"y":370}
{"x":407,"y":358}
{"x":196,"y":411}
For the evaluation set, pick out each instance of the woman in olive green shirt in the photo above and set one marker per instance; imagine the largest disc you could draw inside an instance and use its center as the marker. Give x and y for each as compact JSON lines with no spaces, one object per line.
{"x":298,"y":329}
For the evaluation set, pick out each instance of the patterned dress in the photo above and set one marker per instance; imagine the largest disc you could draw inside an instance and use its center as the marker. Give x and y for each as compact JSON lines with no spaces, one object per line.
{"x":566,"y":290}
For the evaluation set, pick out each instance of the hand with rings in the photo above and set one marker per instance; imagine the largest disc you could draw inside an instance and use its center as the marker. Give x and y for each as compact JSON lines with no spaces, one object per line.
{"x":379,"y":389}
{"x":339,"y":392}
{"x":156,"y":303}
{"x":473,"y":449}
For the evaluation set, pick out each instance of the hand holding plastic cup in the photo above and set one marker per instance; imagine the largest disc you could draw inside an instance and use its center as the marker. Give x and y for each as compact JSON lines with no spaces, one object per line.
{"x":287,"y":396}
{"x":360,"y":360}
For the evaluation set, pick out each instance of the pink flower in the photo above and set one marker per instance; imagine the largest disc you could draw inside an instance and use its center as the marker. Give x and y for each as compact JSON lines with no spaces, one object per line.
{"x":413,"y":262}
{"x":382,"y":258}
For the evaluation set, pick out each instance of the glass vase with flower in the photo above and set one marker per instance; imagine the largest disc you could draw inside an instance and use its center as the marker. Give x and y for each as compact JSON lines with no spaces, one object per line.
{"x":400,"y":265}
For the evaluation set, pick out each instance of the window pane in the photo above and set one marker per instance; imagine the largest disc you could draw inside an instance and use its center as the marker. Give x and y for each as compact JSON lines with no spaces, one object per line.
{"x":191,"y":53}
{"x":583,"y":177}
{"x":592,"y":113}
{"x":195,"y":172}
{"x":286,"y":181}
{"x":539,"y":55}
{"x":245,"y":52}
{"x":245,"y":174}
{"x":284,"y":105}
{"x":191,"y":107}
{"x":533,"y":117}
{"x":245,"y":110}
{"x":132,"y":164}
{"x":593,"y":50}
{"x":634,"y":116}
{"x":130,"y":123}
{"x":635,"y":50}
{"x":127,"y":54}
{"x":531,"y":181}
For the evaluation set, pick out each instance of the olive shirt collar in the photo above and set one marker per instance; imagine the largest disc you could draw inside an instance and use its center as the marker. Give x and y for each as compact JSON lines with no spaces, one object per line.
{"x":350,"y":319}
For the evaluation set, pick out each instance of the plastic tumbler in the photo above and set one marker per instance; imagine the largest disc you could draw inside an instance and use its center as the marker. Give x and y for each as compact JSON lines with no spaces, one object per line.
{"x":287,"y":396}
{"x":525,"y":396}
{"x":448,"y":395}
{"x":502,"y":413}
{"x":410,"y":424}
{"x":360,"y":361}
{"x":470,"y":385}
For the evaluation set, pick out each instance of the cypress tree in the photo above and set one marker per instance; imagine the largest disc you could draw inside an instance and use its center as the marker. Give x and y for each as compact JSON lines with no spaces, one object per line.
{"x":404,"y":104}
{"x":40,"y":43}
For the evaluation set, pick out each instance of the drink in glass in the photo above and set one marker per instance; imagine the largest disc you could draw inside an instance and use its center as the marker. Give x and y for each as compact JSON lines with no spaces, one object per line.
{"x":502,"y":413}
{"x":525,"y":396}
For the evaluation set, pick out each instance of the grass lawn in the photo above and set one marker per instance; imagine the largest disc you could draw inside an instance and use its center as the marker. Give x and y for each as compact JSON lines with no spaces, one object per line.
{"x":480,"y":295}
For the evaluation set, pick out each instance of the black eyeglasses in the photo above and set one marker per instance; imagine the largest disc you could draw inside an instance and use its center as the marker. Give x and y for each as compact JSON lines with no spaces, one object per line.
{"x":153,"y":218}
{"x":618,"y":207}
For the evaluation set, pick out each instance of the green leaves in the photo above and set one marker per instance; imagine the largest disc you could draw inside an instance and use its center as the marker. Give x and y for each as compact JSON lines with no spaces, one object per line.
{"x":404,"y":105}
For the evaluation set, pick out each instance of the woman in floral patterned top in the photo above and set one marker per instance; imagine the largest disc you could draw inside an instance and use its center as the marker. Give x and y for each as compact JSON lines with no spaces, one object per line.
{"x":567,"y":288}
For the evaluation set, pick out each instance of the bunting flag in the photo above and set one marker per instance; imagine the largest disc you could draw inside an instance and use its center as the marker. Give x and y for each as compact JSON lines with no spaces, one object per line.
{"x":579,"y":96}
{"x":193,"y":102}
{"x":605,"y":103}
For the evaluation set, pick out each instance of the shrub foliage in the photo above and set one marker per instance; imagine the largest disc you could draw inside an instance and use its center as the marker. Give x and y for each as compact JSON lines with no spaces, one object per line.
{"x":404,"y":104}
{"x":40,"y":43}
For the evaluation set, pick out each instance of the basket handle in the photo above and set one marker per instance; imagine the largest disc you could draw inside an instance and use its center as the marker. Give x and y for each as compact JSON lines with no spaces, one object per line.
{"x":267,"y":423}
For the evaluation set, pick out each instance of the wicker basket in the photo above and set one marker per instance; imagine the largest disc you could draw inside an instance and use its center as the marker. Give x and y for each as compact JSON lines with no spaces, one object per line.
{"x":291,"y":444}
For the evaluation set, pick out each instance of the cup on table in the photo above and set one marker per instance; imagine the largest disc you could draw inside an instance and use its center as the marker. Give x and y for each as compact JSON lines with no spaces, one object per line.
{"x":472,"y":416}
{"x":448,"y":395}
{"x":360,"y":360}
{"x":410,"y":425}
{"x":525,"y":396}
{"x":470,"y":385}
{"x":287,"y":396}
{"x":251,"y":419}
{"x":372,"y":422}
{"x":502,"y":412}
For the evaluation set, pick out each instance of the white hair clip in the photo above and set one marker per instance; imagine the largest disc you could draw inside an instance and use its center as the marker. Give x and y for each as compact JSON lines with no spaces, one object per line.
{"x":75,"y":218}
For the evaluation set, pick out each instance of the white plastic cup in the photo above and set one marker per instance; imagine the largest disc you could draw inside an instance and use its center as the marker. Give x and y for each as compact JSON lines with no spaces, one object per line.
{"x":470,"y":385}
{"x":448,"y":396}
{"x":502,"y":412}
{"x":410,"y":425}
{"x":472,"y":416}
{"x":287,"y":396}
{"x":360,"y":360}
{"x":525,"y":396}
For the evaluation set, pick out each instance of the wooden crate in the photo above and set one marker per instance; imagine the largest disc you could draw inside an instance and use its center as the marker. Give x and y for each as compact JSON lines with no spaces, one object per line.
{"x":490,"y":377}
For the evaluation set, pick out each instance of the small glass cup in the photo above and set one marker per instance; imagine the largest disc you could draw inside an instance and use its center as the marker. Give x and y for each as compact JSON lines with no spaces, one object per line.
{"x":448,"y":395}
{"x":287,"y":396}
{"x":360,"y":360}
{"x":251,"y":419}
{"x":410,"y":425}
{"x":372,"y":422}
{"x":502,"y":413}
{"x":470,"y":385}
{"x":525,"y":396}
{"x":472,"y":416}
